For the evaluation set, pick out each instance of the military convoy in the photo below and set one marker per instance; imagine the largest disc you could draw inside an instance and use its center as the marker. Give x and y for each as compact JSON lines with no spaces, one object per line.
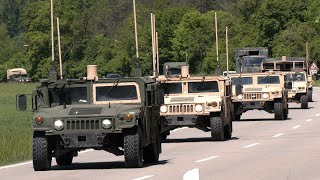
{"x":202,"y":102}
{"x":260,"y":91}
{"x":118,"y":115}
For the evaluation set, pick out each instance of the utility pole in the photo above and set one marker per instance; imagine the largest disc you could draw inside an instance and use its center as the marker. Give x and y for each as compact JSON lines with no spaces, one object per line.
{"x":136,"y":28}
{"x":227,"y":51}
{"x":217,"y":40}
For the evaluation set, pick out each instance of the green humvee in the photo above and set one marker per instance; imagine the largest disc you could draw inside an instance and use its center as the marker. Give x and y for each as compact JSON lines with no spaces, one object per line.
{"x":120,"y":116}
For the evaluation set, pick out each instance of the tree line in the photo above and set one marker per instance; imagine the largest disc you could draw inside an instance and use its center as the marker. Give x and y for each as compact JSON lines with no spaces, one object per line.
{"x":102,"y":32}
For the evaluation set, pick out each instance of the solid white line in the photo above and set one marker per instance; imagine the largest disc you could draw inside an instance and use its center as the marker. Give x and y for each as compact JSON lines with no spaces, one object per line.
{"x":317,"y":115}
{"x":178,"y":129}
{"x":30,"y":162}
{"x":278,"y":135}
{"x":15,"y":165}
{"x":144,"y":177}
{"x":192,"y":175}
{"x":296,"y":127}
{"x":206,"y":159}
{"x":251,"y":145}
{"x":309,"y":120}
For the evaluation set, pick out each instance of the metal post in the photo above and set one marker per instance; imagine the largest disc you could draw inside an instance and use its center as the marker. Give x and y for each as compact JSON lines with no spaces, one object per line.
{"x":135,"y":27}
{"x":157,"y":45}
{"x":152,"y":37}
{"x":307,"y":57}
{"x":59,"y":45}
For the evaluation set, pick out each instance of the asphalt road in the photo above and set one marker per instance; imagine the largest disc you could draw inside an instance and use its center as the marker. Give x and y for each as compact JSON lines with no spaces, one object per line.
{"x":261,"y":148}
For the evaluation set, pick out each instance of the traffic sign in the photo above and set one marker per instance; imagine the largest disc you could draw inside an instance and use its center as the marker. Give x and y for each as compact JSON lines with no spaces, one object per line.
{"x":313,"y":68}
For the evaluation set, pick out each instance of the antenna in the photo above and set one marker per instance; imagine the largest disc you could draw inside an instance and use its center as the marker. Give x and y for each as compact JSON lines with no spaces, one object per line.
{"x":187,"y":56}
{"x":157,"y":45}
{"x":136,"y":28}
{"x":227,"y":51}
{"x":59,"y":45}
{"x":153,"y":33}
{"x":217,"y":40}
{"x":307,"y":57}
{"x":52,"y":33}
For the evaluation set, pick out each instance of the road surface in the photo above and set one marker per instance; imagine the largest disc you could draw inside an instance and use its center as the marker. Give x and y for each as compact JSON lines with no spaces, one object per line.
{"x":261,"y":148}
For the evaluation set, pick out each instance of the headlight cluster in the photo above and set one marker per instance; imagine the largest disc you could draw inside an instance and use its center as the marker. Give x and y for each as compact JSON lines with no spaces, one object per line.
{"x":213,"y":104}
{"x":163,"y":109}
{"x":265,"y":96}
{"x":240,"y":96}
{"x":106,"y":123}
{"x":198,"y":108}
{"x":58,"y":125}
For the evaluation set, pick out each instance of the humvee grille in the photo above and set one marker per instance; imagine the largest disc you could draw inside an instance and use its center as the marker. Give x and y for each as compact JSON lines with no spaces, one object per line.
{"x":185,"y":108}
{"x":252,"y":96}
{"x":82,"y":124}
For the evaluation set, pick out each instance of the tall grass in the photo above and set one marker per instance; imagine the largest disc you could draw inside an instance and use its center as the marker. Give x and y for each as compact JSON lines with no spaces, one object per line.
{"x":15,"y":127}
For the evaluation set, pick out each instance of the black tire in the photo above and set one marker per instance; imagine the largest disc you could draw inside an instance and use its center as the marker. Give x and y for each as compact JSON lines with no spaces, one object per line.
{"x":133,"y":147}
{"x":309,"y":94}
{"x":285,"y":113}
{"x":304,"y":102}
{"x":217,"y":128}
{"x":164,"y":137}
{"x":65,"y":159}
{"x":41,"y":154}
{"x":228,"y":131}
{"x":151,"y":152}
{"x":278,"y":111}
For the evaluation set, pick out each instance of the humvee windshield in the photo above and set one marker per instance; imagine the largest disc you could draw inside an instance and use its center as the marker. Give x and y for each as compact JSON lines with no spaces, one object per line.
{"x":252,"y":61}
{"x":268,"y":80}
{"x":201,"y":87}
{"x":174,"y":71}
{"x":116,"y":93}
{"x":295,"y":77}
{"x":69,"y":95}
{"x":241,"y":80}
{"x":173,"y":88}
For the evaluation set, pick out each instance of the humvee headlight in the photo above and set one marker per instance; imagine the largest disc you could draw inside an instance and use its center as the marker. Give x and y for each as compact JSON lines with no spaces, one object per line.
{"x":199,"y":108}
{"x":106,"y":124}
{"x":58,"y":125}
{"x":213,"y":104}
{"x":163,"y":109}
{"x":240,"y":96}
{"x":265,"y":96}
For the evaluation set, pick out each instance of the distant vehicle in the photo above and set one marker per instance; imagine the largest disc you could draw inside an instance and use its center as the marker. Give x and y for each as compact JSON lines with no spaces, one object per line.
{"x":113,"y":76}
{"x":248,"y":60}
{"x":290,"y":64}
{"x":18,"y":75}
{"x":173,"y":68}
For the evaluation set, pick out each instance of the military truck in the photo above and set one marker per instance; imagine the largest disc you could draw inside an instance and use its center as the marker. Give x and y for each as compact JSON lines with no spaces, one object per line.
{"x":259,"y":91}
{"x":249,"y":59}
{"x":299,"y":91}
{"x":173,"y":68}
{"x":201,"y":102}
{"x":18,"y":75}
{"x":290,"y":64}
{"x":120,"y":116}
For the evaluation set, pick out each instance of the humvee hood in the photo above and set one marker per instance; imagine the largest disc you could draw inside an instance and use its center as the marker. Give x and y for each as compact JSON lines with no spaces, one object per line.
{"x":89,"y":110}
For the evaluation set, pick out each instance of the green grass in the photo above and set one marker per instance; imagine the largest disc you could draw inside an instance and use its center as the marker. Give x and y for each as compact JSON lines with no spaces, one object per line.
{"x":15,"y":127}
{"x":316,"y":83}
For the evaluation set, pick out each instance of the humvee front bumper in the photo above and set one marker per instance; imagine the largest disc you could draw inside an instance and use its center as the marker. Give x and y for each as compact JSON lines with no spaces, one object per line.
{"x":83,"y":140}
{"x":182,"y":120}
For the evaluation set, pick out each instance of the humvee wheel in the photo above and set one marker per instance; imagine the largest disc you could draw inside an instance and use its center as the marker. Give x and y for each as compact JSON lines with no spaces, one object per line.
{"x":41,"y":154}
{"x":304,"y":102}
{"x":64,"y":160}
{"x":285,"y":113}
{"x":217,"y":128}
{"x":228,"y":131}
{"x":133,"y":147}
{"x":163,"y":137}
{"x":278,"y":111}
{"x":151,"y":152}
{"x":309,"y":94}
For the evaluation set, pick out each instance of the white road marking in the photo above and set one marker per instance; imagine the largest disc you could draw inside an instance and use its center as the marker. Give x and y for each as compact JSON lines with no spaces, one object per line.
{"x":15,"y":165}
{"x":144,"y":177}
{"x":317,"y":115}
{"x":251,"y":145}
{"x":309,"y":120}
{"x":206,"y":159}
{"x":192,"y":175}
{"x":30,"y":162}
{"x":178,"y":129}
{"x":296,"y":127}
{"x":278,"y":135}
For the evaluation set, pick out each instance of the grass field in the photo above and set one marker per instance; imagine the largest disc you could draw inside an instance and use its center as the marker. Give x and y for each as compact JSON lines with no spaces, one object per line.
{"x":15,"y":127}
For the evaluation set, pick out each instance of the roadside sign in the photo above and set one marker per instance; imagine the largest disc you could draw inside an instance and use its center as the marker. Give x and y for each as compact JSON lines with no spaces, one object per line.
{"x":313,"y":69}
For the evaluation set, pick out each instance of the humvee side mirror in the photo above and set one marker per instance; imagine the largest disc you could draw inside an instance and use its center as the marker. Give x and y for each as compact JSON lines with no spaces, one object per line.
{"x":239,"y":89}
{"x":21,"y":102}
{"x":288,"y":85}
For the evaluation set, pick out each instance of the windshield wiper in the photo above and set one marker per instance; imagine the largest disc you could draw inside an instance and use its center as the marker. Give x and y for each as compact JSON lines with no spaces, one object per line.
{"x":114,"y":85}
